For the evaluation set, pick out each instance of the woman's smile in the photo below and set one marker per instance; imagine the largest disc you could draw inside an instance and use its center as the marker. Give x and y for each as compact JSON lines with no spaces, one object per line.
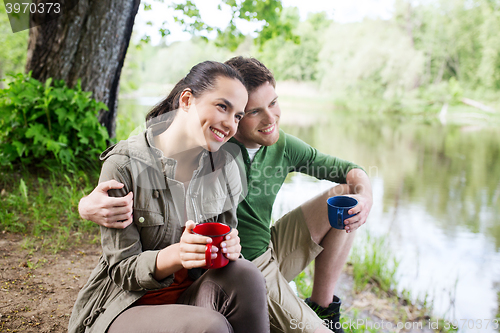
{"x":218,"y":134}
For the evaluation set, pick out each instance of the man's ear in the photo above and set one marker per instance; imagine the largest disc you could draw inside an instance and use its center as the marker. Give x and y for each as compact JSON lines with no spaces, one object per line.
{"x":185,"y":99}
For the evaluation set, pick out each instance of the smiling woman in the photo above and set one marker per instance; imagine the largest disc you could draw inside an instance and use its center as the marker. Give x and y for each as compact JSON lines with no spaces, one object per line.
{"x":149,"y":277}
{"x":209,"y":101}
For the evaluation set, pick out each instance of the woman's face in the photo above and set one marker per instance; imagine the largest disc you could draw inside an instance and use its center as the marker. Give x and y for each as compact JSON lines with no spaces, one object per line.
{"x":218,"y":111}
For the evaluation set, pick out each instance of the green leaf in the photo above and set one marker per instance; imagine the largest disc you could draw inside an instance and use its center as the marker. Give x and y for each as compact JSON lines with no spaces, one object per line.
{"x":24,"y":190}
{"x":146,"y":39}
{"x":66,"y":155}
{"x":83,"y":135}
{"x":20,"y":148}
{"x":53,"y":146}
{"x":71,"y":117}
{"x":61,"y":115}
{"x":63,"y":140}
{"x":37,"y":131}
{"x":47,"y":85}
{"x":164,"y":32}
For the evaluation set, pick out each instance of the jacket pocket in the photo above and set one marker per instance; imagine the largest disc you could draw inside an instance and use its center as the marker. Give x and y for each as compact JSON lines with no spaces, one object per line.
{"x":146,"y":218}
{"x":152,"y":227}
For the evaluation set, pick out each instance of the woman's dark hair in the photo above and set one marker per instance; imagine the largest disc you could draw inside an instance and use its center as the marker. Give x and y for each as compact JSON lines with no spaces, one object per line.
{"x":200,"y":78}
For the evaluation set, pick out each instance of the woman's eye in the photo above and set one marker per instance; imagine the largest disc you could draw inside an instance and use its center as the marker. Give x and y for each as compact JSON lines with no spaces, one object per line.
{"x":222,"y":106}
{"x":273,"y":103}
{"x":239,"y":117}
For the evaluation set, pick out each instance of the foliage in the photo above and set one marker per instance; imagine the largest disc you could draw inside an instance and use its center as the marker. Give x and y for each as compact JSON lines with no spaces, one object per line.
{"x":162,"y":64}
{"x":428,"y":55}
{"x":373,"y":264}
{"x":13,"y":50}
{"x":304,"y":281}
{"x":498,"y":302}
{"x":369,"y":59}
{"x":190,"y":19}
{"x":49,"y":124}
{"x":45,"y":207}
{"x":131,"y":78}
{"x":296,"y":59}
{"x":266,"y":11}
{"x":458,"y":37}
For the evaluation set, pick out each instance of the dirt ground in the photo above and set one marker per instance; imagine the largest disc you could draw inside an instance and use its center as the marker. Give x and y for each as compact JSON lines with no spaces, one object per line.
{"x":38,"y":290}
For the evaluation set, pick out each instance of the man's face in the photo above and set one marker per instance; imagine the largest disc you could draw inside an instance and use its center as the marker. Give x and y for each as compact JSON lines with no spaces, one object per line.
{"x":260,"y":125}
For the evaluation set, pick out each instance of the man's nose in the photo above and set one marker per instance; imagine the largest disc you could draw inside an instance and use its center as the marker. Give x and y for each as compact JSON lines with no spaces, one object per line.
{"x":268,"y":117}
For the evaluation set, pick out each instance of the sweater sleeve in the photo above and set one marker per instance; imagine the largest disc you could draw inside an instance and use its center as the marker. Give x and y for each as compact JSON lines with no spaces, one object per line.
{"x":308,"y":160}
{"x":129,"y":266}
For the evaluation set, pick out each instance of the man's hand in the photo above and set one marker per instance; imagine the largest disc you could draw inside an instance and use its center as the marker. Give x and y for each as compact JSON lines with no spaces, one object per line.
{"x":107,"y":211}
{"x":361,"y":190}
{"x":362,"y":209}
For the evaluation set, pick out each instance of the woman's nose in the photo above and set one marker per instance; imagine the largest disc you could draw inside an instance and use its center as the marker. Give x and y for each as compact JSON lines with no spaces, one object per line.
{"x":230,"y":124}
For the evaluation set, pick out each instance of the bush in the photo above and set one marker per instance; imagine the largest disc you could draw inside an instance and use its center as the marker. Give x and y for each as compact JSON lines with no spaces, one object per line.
{"x":49,"y":125}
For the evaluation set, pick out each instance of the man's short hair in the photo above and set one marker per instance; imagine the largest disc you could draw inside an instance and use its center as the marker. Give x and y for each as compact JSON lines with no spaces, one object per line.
{"x":253,"y":71}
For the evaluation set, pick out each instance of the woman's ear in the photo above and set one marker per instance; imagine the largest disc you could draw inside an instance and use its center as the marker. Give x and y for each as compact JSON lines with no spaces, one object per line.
{"x":185,"y":99}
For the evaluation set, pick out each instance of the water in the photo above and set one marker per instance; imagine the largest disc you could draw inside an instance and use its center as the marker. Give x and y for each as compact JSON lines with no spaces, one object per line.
{"x":436,"y":197}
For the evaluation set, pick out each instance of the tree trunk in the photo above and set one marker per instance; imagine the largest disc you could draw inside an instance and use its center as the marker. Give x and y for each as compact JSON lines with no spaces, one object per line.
{"x":89,"y":42}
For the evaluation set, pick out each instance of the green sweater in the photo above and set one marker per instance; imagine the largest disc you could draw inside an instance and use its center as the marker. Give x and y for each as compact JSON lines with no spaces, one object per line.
{"x":265,"y":176}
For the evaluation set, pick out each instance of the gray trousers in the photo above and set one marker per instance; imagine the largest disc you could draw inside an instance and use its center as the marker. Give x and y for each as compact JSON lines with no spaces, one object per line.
{"x":228,"y":299}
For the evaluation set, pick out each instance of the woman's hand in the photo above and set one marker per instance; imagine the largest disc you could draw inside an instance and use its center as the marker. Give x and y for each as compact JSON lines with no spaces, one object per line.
{"x":192,"y":248}
{"x":231,"y":246}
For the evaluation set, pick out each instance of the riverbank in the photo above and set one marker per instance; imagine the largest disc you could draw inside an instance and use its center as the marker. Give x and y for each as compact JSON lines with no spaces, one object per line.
{"x":38,"y":291}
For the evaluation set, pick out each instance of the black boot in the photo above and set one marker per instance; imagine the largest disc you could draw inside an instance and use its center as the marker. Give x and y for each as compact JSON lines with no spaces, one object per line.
{"x":330,"y":315}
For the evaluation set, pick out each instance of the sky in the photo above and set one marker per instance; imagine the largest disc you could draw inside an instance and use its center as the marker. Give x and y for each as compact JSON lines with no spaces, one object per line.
{"x":339,"y":10}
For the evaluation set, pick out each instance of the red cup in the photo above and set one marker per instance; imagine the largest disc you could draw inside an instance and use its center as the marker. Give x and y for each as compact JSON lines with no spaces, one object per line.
{"x":216,"y":231}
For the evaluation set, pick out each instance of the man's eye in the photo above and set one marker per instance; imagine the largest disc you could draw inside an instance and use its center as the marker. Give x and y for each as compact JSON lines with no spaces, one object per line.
{"x":273,"y":103}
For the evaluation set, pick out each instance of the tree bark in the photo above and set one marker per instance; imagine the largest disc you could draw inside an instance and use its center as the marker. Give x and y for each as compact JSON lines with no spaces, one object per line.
{"x":89,"y":42}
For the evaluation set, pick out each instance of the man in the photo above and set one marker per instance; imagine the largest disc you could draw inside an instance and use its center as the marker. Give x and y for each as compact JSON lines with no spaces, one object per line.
{"x":283,"y":250}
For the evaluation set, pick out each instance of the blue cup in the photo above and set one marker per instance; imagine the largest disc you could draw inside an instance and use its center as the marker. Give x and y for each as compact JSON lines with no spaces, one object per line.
{"x":337,"y":210}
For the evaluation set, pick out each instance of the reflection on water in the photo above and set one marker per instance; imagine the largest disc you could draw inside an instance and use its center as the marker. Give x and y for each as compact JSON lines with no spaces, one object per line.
{"x":436,"y":197}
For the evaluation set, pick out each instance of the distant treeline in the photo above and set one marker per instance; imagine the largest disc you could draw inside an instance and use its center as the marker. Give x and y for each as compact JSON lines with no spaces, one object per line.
{"x":429,"y":48}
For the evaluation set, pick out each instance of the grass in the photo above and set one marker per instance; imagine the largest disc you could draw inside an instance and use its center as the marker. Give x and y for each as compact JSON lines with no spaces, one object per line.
{"x":373,"y":268}
{"x":44,"y":207}
{"x":498,"y":310}
{"x":355,"y":324}
{"x":373,"y":264}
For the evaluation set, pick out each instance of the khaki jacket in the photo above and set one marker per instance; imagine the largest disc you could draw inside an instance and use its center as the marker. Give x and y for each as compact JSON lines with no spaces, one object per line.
{"x":161,"y":207}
